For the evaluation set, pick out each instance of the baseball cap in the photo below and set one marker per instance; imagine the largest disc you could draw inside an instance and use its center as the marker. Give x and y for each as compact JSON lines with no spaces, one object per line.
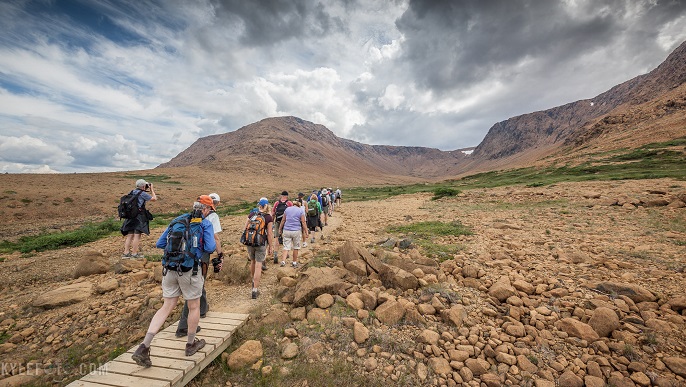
{"x":141,"y":183}
{"x":263,"y":202}
{"x":206,"y":200}
{"x":284,"y":193}
{"x":300,"y":194}
{"x":215,"y":197}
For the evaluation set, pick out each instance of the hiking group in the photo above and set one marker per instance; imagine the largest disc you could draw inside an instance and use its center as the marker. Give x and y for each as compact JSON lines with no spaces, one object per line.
{"x":190,"y":239}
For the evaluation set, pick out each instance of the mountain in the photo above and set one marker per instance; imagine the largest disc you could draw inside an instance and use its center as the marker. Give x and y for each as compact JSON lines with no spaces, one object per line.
{"x":276,"y":143}
{"x":534,"y":135}
{"x":647,"y":108}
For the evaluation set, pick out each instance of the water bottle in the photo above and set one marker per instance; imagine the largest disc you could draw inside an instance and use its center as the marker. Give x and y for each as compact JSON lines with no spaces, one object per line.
{"x":195,"y":241}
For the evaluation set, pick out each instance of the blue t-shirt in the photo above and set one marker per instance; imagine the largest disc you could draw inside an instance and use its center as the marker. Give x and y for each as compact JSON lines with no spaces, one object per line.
{"x":142,"y":198}
{"x":292,"y":215}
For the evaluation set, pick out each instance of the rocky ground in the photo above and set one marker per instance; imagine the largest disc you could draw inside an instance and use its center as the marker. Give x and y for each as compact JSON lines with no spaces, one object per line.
{"x":570,"y":284}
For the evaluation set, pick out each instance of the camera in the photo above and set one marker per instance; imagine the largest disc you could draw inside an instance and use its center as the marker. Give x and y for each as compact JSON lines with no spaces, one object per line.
{"x":215,"y":264}
{"x":147,"y":186}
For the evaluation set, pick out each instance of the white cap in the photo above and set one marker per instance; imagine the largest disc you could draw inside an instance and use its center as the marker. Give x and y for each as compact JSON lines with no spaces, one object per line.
{"x":141,"y":183}
{"x":215,"y":197}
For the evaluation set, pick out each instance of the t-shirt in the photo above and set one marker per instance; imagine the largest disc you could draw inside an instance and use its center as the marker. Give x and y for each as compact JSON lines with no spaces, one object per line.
{"x":214,"y":219}
{"x":292,"y":216}
{"x":142,"y":198}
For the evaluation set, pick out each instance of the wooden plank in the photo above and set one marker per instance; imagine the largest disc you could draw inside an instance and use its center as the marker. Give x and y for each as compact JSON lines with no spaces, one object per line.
{"x":164,"y":362}
{"x":112,"y":379}
{"x":83,"y":383}
{"x":154,"y":372}
{"x":174,"y":344}
{"x":171,"y":366}
{"x":214,"y":339}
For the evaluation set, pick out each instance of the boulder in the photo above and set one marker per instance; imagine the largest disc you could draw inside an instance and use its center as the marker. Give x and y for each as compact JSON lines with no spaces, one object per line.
{"x":360,"y":332}
{"x":315,"y":282}
{"x":128,"y":265}
{"x":290,"y":351}
{"x":678,"y":303}
{"x":390,"y":312}
{"x":477,"y":366}
{"x":454,"y":315}
{"x":93,"y":262}
{"x":635,"y":292}
{"x":395,"y":277}
{"x":324,"y":300}
{"x":676,"y":365}
{"x":523,"y":286}
{"x":440,"y":366}
{"x":577,"y":328}
{"x":66,"y":295}
{"x":357,"y":267}
{"x":107,"y":285}
{"x":569,"y":379}
{"x":604,"y":321}
{"x":246,"y":355}
{"x":502,"y":289}
{"x":428,"y":337}
{"x":351,"y":251}
{"x":276,"y":317}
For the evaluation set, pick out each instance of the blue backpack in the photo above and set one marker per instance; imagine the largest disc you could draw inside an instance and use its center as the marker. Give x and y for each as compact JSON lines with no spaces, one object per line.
{"x":184,"y":245}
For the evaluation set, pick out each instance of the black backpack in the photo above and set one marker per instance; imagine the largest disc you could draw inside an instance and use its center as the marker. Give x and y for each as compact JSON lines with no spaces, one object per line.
{"x":128,"y":206}
{"x":280,"y":209}
{"x":325,"y":200}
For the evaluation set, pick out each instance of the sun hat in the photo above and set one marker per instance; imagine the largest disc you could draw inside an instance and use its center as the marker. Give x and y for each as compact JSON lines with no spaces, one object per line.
{"x":263,"y":202}
{"x":215,"y":197}
{"x":206,"y":200}
{"x":141,"y":183}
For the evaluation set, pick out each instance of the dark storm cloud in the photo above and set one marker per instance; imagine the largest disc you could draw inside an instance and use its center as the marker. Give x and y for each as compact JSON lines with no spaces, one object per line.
{"x":455,"y":44}
{"x":267,"y":22}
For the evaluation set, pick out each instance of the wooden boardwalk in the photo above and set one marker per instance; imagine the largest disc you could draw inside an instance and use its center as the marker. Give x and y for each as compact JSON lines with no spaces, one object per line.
{"x":170,"y":366}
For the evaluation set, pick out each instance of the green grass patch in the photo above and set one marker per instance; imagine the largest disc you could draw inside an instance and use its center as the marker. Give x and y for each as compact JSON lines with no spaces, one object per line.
{"x":153,"y":257}
{"x":432,"y":228}
{"x":427,"y":234}
{"x":52,"y":241}
{"x":442,"y":192}
{"x":153,"y":178}
{"x":11,"y":192}
{"x":68,"y":200}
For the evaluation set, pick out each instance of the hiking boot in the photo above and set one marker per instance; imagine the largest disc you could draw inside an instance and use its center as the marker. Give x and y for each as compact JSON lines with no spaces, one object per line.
{"x":276,"y":257}
{"x":126,"y":255}
{"x":283,"y":263}
{"x":294,"y":264}
{"x":254,"y":293}
{"x":137,"y":255}
{"x":264,"y":266}
{"x":184,"y":332}
{"x":142,"y":356}
{"x":191,"y":349}
{"x":304,"y":244}
{"x":312,"y":241}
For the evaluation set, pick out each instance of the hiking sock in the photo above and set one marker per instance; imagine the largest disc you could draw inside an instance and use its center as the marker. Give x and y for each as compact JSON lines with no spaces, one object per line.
{"x":148,"y":339}
{"x":191,"y":337}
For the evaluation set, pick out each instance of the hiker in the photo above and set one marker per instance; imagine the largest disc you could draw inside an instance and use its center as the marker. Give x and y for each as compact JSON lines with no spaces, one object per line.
{"x":258,"y":254}
{"x":134,"y":227}
{"x":177,"y":278}
{"x":303,"y":202}
{"x":313,"y":212}
{"x":325,"y":202}
{"x":277,"y":214}
{"x":337,"y":196}
{"x":292,"y":228}
{"x":182,"y":328}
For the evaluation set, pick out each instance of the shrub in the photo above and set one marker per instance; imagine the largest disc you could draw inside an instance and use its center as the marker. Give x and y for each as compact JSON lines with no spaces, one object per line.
{"x":442,"y":192}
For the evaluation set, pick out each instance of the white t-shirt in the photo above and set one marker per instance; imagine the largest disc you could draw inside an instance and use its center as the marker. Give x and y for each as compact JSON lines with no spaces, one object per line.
{"x":214,"y":219}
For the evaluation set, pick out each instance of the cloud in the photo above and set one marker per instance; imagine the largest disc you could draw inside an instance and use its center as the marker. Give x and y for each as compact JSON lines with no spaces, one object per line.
{"x":111,"y":85}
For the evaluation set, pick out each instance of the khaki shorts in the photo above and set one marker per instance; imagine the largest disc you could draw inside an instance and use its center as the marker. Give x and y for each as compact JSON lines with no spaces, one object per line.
{"x":291,"y":240}
{"x":190,"y":286}
{"x":258,"y":253}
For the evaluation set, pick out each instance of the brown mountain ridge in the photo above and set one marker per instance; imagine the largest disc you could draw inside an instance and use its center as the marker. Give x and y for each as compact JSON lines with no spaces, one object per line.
{"x":645,"y":109}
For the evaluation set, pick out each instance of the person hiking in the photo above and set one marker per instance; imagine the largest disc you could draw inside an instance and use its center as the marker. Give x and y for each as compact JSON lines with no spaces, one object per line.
{"x":277,"y":214}
{"x":337,"y":196}
{"x":258,"y":254}
{"x":213,"y":200}
{"x":177,"y":278}
{"x":325,"y":201}
{"x":293,"y":228}
{"x":133,"y":228}
{"x":313,"y":212}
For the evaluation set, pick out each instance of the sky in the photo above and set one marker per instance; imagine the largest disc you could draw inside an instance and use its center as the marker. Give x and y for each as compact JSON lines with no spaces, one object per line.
{"x":97,"y":86}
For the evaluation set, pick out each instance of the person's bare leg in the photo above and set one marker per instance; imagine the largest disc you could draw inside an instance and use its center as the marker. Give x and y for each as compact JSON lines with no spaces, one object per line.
{"x":135,"y":242}
{"x":127,"y":243}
